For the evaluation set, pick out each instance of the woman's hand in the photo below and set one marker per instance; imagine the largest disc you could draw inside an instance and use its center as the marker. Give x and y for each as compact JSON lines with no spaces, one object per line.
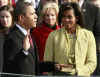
{"x":60,"y":66}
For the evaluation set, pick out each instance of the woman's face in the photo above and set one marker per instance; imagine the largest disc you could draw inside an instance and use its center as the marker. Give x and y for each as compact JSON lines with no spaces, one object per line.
{"x":3,"y":2}
{"x":5,"y":18}
{"x":69,"y":19}
{"x":50,"y":17}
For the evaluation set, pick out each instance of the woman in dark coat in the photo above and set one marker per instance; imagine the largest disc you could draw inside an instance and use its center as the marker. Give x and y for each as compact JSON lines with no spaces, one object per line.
{"x":6,"y":17}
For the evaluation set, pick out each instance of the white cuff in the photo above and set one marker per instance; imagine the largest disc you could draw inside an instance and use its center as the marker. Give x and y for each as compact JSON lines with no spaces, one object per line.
{"x":25,"y":52}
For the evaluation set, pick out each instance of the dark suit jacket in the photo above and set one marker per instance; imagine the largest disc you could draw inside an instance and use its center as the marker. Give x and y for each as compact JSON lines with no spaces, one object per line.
{"x":2,"y":38}
{"x":91,"y":16}
{"x":3,"y":34}
{"x":15,"y":61}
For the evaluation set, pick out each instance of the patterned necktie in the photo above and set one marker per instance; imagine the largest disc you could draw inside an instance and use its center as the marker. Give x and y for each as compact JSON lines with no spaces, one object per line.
{"x":31,"y":42}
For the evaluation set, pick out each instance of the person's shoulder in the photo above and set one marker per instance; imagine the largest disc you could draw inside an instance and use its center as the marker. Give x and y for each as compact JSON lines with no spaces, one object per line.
{"x":13,"y":29}
{"x":86,"y":31}
{"x":39,"y":29}
{"x":56,"y":32}
{"x":90,"y":5}
{"x":14,"y":32}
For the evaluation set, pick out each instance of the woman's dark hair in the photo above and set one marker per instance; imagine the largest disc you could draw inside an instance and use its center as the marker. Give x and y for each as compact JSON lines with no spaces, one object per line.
{"x":75,"y":8}
{"x":7,"y":8}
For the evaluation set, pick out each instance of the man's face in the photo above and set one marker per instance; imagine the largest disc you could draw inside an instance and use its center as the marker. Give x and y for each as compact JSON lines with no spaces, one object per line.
{"x":30,"y":18}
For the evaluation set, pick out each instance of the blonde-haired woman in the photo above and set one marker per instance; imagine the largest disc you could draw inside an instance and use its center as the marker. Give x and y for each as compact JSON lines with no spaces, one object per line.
{"x":48,"y":24}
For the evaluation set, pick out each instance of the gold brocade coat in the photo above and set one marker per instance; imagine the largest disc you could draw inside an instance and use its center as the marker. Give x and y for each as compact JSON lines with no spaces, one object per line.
{"x":85,"y":50}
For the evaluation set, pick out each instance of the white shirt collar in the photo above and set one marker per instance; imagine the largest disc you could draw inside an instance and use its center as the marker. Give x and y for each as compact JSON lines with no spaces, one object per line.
{"x":81,"y":3}
{"x":35,"y":3}
{"x":22,"y":29}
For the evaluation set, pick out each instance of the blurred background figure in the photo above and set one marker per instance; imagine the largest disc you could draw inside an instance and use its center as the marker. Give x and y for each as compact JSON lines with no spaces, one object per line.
{"x":36,"y":3}
{"x":49,"y":23}
{"x":91,"y":15}
{"x":6,"y":21}
{"x":64,"y":1}
{"x":13,"y":2}
{"x":95,"y":2}
{"x":4,"y":2}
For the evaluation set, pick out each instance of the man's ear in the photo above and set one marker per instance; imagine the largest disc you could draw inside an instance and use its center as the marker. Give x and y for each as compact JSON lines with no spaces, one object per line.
{"x":20,"y":17}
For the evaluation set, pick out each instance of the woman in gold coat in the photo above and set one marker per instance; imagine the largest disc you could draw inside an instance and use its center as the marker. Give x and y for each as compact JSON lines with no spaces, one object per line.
{"x":72,"y":47}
